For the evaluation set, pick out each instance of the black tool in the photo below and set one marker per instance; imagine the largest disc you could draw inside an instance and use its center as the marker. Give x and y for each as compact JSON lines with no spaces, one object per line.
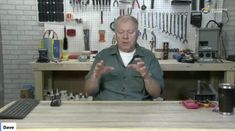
{"x":43,"y":56}
{"x":196,"y":19}
{"x":165,"y":50}
{"x":152,"y":4}
{"x":86,"y":39}
{"x":101,"y":17}
{"x":65,"y":41}
{"x":55,"y":102}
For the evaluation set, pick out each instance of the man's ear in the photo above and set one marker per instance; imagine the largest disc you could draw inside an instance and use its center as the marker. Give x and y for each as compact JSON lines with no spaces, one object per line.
{"x":138,"y":33}
{"x":115,"y":35}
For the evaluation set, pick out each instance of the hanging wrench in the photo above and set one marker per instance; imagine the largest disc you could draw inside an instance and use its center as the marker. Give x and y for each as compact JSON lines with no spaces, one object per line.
{"x":170,"y":32}
{"x":174,"y":25}
{"x":178,"y":26}
{"x":145,"y":19}
{"x":152,"y":20}
{"x":156,"y":15}
{"x":148,"y":19}
{"x":160,"y":15}
{"x":185,"y":28}
{"x":182,"y":27}
{"x":167,"y":23}
{"x":163,"y":22}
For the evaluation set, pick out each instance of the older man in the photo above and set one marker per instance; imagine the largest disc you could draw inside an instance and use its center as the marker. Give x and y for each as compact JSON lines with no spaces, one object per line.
{"x":125,"y":71}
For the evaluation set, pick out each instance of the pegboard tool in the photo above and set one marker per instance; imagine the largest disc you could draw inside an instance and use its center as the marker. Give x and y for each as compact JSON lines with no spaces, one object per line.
{"x":135,"y":2}
{"x":65,"y":41}
{"x":102,"y":36}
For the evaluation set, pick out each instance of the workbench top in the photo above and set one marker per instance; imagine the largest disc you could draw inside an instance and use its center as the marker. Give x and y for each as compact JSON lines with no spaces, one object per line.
{"x":166,"y":65}
{"x":122,"y":115}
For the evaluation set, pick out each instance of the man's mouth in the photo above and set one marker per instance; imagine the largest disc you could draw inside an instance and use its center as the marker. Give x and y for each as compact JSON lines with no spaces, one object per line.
{"x":125,"y":43}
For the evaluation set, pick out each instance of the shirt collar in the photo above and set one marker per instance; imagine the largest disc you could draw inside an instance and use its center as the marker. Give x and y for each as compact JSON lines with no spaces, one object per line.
{"x":138,"y":53}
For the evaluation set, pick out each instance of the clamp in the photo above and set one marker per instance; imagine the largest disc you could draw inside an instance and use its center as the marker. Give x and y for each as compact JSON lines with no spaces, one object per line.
{"x":115,"y":2}
{"x":137,"y":2}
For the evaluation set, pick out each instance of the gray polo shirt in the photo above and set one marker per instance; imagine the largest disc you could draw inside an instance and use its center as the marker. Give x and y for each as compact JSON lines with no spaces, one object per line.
{"x":124,"y":83}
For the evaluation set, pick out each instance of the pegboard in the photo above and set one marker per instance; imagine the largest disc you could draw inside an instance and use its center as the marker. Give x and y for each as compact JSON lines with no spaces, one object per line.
{"x":148,"y":19}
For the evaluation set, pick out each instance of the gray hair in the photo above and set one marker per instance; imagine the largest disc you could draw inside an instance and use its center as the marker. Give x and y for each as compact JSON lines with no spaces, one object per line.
{"x":124,"y":19}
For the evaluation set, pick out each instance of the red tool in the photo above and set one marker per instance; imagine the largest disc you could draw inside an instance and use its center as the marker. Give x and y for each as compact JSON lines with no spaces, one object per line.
{"x":101,"y":35}
{"x":71,"y":32}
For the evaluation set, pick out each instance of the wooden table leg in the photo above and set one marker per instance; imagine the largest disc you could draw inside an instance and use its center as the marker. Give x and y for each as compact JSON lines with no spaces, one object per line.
{"x":229,"y":77}
{"x":39,"y":83}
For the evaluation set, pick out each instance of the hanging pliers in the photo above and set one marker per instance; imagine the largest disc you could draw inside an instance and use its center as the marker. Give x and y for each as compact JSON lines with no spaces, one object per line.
{"x":144,"y":35}
{"x":133,"y":3}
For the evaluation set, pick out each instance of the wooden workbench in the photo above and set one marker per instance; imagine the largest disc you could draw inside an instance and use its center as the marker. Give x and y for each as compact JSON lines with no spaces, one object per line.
{"x":122,"y":115}
{"x":167,"y":65}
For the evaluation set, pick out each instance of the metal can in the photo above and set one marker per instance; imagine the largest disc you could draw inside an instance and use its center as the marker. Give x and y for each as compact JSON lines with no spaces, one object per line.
{"x":92,"y":55}
{"x":226,"y":98}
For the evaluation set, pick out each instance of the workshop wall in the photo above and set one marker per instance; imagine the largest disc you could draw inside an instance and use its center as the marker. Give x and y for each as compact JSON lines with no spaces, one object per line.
{"x":21,"y":33}
{"x":229,"y":27}
{"x":1,"y":71}
{"x":20,"y":37}
{"x":148,"y":19}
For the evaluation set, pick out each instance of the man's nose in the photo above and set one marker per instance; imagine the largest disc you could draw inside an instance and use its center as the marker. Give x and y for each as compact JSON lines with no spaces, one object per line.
{"x":125,"y":35}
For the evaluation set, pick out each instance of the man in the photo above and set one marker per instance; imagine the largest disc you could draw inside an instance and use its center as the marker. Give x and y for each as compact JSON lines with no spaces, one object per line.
{"x":125,"y":71}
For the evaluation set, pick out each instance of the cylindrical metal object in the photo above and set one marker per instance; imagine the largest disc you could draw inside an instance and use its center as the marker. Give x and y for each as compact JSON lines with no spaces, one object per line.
{"x":226,"y":98}
{"x":165,"y":50}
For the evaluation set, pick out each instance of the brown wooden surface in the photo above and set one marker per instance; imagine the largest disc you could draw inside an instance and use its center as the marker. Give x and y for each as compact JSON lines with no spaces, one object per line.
{"x":114,"y":115}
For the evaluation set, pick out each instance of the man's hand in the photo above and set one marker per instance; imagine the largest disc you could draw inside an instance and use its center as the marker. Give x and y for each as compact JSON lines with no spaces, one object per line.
{"x":100,"y":69}
{"x":140,"y":67}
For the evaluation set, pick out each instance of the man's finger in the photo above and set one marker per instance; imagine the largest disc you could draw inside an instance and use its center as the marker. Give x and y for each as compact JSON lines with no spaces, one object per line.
{"x":133,"y":66}
{"x":108,"y":69}
{"x":138,"y":60}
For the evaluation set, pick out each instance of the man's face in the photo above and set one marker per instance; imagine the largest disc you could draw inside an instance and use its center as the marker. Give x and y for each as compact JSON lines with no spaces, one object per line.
{"x":126,"y":36}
